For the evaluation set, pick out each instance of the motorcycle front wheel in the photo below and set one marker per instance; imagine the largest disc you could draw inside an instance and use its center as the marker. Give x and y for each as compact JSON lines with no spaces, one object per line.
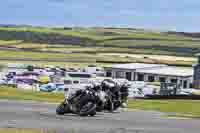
{"x":62,"y":109}
{"x":109,"y":106}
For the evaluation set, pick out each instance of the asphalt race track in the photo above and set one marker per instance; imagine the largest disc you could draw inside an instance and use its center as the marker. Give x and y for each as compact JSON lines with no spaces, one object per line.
{"x":42,"y":116}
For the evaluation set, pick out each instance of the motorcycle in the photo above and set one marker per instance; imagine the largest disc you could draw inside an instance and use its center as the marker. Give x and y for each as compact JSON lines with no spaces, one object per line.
{"x":82,"y":102}
{"x":116,"y":95}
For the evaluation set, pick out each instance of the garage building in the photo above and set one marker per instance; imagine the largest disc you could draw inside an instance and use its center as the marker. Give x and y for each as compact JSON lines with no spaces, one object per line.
{"x":151,"y":73}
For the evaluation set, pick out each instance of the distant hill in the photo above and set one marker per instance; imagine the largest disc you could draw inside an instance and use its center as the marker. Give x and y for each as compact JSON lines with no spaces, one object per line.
{"x":186,"y":34}
{"x":132,"y":40}
{"x":89,"y":36}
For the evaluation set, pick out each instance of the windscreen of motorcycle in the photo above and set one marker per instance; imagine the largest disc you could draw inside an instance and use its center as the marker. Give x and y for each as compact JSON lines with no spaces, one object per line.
{"x":70,"y":92}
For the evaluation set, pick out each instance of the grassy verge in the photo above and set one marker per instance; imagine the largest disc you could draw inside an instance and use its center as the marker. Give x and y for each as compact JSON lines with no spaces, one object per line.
{"x":54,"y":57}
{"x":61,"y":64}
{"x":178,"y":108}
{"x":14,"y":94}
{"x":90,"y":58}
{"x":40,"y":56}
{"x":14,"y":130}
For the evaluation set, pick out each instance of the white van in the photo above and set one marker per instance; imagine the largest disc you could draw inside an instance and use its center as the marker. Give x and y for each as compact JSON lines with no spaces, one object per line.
{"x":77,"y":80}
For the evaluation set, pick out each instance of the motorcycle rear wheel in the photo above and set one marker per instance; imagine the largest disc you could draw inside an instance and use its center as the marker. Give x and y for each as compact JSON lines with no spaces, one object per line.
{"x":88,"y":109}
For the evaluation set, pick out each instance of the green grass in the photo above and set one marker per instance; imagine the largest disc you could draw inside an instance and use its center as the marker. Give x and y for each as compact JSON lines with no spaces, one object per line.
{"x":162,"y":47}
{"x":43,"y":56}
{"x":83,"y":58}
{"x":182,"y":48}
{"x":14,"y":94}
{"x":78,"y":57}
{"x":61,"y":64}
{"x":17,"y":130}
{"x":12,"y":42}
{"x":178,"y":108}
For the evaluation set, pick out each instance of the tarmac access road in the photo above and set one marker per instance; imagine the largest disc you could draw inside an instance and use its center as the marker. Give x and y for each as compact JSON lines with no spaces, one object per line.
{"x":22,"y":114}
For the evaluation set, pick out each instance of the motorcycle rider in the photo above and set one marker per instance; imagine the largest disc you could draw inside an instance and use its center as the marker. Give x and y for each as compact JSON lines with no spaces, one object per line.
{"x":119,"y":88}
{"x":79,"y":101}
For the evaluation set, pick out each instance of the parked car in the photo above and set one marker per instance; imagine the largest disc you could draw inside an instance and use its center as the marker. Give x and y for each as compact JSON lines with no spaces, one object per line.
{"x":52,"y":87}
{"x":3,"y":82}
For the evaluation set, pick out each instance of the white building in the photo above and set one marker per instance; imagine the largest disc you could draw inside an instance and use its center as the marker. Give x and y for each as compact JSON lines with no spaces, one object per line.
{"x":151,"y":73}
{"x":94,"y":70}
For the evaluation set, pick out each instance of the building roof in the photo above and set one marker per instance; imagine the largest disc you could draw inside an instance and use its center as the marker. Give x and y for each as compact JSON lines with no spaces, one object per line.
{"x":169,"y":71}
{"x":198,"y":54}
{"x":133,"y":66}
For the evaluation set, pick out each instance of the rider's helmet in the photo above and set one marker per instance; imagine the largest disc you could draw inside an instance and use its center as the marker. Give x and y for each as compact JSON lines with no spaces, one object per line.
{"x":89,"y":86}
{"x":97,"y":86}
{"x":108,"y":83}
